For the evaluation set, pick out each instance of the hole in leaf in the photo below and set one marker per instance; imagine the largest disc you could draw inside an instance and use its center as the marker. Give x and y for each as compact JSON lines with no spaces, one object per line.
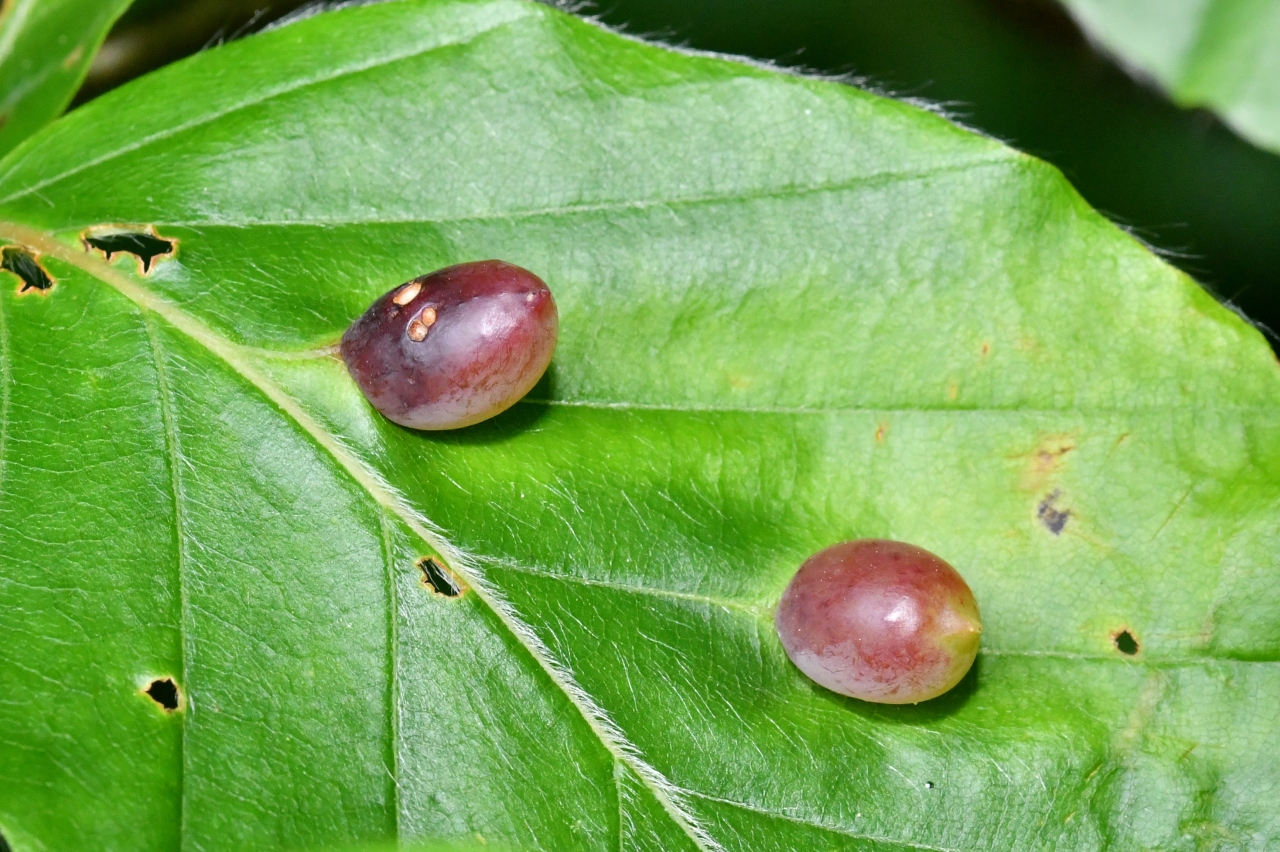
{"x":23,"y":264}
{"x":1125,"y":643}
{"x":438,"y":578}
{"x":143,"y":245}
{"x":1053,"y":518}
{"x":4,"y":845}
{"x":164,"y":692}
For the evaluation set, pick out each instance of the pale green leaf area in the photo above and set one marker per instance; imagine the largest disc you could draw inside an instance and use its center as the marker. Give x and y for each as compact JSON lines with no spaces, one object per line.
{"x":1220,"y":54}
{"x":45,"y":50}
{"x":792,"y":313}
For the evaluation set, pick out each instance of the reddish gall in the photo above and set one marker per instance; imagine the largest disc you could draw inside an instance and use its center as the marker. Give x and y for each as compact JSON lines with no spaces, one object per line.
{"x":880,"y":620}
{"x":454,"y":347}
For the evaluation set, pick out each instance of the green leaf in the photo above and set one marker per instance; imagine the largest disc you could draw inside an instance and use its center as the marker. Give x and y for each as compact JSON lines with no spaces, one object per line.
{"x":45,"y":50}
{"x":1220,"y":54}
{"x":792,"y":312}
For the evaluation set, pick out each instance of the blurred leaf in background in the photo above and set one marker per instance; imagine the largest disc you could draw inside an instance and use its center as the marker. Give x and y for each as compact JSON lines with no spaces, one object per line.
{"x":45,"y":49}
{"x":156,"y":32}
{"x":1222,"y":54}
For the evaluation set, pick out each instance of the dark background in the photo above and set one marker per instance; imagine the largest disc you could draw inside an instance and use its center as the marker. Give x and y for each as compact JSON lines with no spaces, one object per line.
{"x":1019,"y":70}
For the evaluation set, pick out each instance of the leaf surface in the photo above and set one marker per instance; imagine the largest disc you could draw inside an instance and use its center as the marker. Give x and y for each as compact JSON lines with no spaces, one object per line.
{"x":1220,"y":54}
{"x":791,"y":313}
{"x":45,"y":50}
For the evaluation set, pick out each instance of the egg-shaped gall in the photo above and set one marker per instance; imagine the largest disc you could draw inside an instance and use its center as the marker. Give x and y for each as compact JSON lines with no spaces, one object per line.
{"x":454,"y":347}
{"x":880,"y":620}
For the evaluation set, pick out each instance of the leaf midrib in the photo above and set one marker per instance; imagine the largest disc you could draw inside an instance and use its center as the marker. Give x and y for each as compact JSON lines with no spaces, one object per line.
{"x":385,"y":495}
{"x":5,"y":393}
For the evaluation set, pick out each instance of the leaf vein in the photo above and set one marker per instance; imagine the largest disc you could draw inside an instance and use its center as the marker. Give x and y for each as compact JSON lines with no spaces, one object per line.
{"x":758,"y":611}
{"x":6,"y":380}
{"x":1014,"y":407}
{"x":393,"y":667}
{"x":883,"y":178}
{"x":834,"y":829}
{"x":173,"y":456}
{"x":754,"y":610}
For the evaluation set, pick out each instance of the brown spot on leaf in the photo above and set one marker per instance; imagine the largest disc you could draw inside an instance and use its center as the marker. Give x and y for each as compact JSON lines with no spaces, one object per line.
{"x":1053,"y":518}
{"x":1045,"y":461}
{"x":73,"y":57}
{"x":1049,"y":454}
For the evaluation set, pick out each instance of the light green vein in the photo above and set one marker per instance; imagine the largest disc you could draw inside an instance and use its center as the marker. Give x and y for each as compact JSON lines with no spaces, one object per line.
{"x":843,"y":832}
{"x":999,"y":158}
{"x":6,"y":379}
{"x":173,"y":454}
{"x":754,"y":610}
{"x":393,"y":667}
{"x":763,"y":611}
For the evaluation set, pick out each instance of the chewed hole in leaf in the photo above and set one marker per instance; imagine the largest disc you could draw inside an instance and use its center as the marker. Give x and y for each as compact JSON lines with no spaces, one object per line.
{"x":1126,"y":643}
{"x":4,"y":845}
{"x":164,"y":692}
{"x":438,"y":578}
{"x":24,"y":264}
{"x":145,"y":245}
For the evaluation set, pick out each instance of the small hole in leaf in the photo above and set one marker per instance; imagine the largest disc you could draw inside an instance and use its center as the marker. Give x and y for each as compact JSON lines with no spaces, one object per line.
{"x":164,"y":692}
{"x":145,"y":246}
{"x":23,"y":264}
{"x":1125,"y":643}
{"x":438,"y":578}
{"x":4,"y":845}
